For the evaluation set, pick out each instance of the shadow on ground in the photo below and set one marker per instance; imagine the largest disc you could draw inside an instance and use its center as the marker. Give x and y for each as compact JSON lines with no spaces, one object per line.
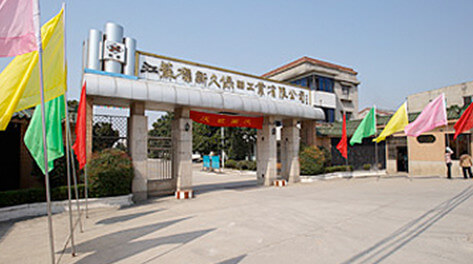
{"x":5,"y":228}
{"x":395,"y":241}
{"x":240,"y":185}
{"x":235,"y":260}
{"x":123,"y":218}
{"x":123,"y":244}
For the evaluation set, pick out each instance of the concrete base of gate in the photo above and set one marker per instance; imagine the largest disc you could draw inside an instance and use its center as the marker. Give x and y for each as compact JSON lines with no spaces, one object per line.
{"x":161,"y":187}
{"x":184,"y":194}
{"x":280,"y":183}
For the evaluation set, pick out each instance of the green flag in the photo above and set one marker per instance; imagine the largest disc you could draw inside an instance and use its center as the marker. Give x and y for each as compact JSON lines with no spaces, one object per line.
{"x":54,"y":113}
{"x":366,"y":128}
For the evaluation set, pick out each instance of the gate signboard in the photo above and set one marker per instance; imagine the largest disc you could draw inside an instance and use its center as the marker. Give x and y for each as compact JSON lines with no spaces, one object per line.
{"x":170,"y":70}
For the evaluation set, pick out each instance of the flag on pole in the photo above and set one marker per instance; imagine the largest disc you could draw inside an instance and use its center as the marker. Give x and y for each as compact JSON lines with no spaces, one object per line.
{"x":20,"y":80}
{"x":81,"y":128}
{"x":366,"y":128}
{"x":465,"y":122}
{"x":433,"y":115}
{"x":55,"y":112}
{"x":397,"y":123}
{"x":17,"y":27}
{"x":342,"y":145}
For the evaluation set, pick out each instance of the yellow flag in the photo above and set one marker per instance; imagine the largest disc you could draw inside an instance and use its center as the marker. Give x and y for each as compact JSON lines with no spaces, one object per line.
{"x":397,"y":123}
{"x":19,"y":82}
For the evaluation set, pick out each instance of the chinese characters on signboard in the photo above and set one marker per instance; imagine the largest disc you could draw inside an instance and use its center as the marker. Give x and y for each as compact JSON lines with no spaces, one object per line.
{"x":166,"y":70}
{"x":226,"y":120}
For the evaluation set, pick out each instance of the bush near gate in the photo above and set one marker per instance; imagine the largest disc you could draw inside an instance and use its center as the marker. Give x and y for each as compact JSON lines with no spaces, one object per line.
{"x":312,"y":160}
{"x":36,"y":195}
{"x":110,"y":173}
{"x":367,"y":166}
{"x":338,"y":168}
{"x":241,"y":164}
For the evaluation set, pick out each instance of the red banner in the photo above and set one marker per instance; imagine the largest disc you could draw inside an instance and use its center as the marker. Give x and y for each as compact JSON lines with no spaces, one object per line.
{"x":226,"y":120}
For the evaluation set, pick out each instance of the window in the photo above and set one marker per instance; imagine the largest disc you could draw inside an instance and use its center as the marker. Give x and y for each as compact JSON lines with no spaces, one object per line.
{"x":349,"y":114}
{"x":301,"y":82}
{"x":324,"y":84}
{"x":466,"y":100}
{"x":459,"y":146}
{"x":423,"y":139}
{"x":329,"y":114}
{"x":345,"y":90}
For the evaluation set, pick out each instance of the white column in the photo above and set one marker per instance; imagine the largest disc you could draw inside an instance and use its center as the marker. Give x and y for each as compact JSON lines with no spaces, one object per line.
{"x":138,"y":144}
{"x":266,"y":152}
{"x":182,"y":149}
{"x":290,"y":169}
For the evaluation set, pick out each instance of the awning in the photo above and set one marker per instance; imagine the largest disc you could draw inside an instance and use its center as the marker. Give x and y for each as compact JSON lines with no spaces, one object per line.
{"x":179,"y":95}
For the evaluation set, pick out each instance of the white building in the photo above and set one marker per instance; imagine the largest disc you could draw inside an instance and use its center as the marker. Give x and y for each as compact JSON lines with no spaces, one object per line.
{"x":334,"y":88}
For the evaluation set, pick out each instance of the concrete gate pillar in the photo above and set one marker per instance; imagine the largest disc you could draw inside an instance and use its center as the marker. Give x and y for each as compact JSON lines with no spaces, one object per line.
{"x":138,"y":147}
{"x":266,"y":152}
{"x":290,"y":168}
{"x":182,"y":152}
{"x":89,"y":120}
{"x":308,"y":132}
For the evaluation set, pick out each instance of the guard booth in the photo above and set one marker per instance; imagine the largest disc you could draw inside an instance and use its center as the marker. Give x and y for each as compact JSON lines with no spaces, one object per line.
{"x":116,"y":74}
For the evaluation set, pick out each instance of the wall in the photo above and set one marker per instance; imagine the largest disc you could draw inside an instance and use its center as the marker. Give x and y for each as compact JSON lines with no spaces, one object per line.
{"x":454,"y":95}
{"x":428,"y":159}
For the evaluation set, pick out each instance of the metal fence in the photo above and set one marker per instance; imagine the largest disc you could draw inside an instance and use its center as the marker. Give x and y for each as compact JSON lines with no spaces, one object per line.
{"x":160,"y":158}
{"x":110,"y":131}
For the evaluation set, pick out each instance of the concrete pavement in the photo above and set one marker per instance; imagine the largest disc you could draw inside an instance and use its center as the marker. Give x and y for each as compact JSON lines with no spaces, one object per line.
{"x":369,"y":220}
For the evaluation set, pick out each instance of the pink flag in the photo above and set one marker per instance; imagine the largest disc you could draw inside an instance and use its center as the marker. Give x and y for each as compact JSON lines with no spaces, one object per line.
{"x":433,"y":115}
{"x":17,"y":27}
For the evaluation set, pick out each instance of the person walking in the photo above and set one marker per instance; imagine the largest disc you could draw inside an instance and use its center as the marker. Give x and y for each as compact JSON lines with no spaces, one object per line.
{"x":448,"y":161}
{"x":465,"y":163}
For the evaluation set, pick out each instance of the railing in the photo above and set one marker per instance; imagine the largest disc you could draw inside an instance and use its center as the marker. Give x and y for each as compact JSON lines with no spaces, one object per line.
{"x":159,"y":158}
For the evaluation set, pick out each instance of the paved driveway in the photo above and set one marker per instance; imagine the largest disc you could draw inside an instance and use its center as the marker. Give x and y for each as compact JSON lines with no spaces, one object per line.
{"x":387,"y":220}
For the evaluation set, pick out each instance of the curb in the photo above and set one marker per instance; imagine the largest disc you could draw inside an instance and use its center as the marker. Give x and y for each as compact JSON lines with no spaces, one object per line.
{"x":40,"y":209}
{"x":342,"y":175}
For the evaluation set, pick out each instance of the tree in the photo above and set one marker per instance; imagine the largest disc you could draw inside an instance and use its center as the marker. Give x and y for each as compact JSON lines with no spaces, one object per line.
{"x":104,"y":136}
{"x":162,"y":126}
{"x":241,"y":141}
{"x":238,"y":142}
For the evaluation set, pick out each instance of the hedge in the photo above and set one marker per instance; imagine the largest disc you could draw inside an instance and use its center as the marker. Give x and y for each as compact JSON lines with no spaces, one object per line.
{"x":338,"y":168}
{"x":36,"y":195}
{"x":241,"y":164}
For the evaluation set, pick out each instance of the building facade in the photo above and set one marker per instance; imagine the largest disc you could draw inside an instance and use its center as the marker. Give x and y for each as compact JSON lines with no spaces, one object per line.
{"x":455,"y":95}
{"x":333,"y":88}
{"x":424,"y":155}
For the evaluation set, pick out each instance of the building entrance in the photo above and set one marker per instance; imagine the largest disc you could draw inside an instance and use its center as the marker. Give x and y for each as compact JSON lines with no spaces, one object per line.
{"x":118,"y":75}
{"x":402,"y":159}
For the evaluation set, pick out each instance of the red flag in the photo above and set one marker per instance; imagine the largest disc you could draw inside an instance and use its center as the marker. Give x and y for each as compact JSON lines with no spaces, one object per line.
{"x":465,"y":122}
{"x":342,"y":145}
{"x":81,"y":128}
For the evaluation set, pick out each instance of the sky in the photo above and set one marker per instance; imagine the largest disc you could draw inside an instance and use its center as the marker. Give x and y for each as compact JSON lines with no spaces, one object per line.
{"x":397,"y":47}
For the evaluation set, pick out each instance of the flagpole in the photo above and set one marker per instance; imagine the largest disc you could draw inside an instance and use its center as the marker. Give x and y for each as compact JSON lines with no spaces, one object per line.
{"x":43,"y":120}
{"x":68,"y":131}
{"x":86,"y":190}
{"x":345,"y":117}
{"x":446,"y":115}
{"x":376,"y":142}
{"x":69,"y":194}
{"x":68,"y":156}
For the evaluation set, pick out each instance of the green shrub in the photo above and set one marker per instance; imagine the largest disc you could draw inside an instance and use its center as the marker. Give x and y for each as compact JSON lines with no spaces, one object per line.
{"x":312,"y":160}
{"x":231,"y":164}
{"x":110,"y":173}
{"x":367,"y":166}
{"x":246,"y":165}
{"x":36,"y":195}
{"x":338,"y":168}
